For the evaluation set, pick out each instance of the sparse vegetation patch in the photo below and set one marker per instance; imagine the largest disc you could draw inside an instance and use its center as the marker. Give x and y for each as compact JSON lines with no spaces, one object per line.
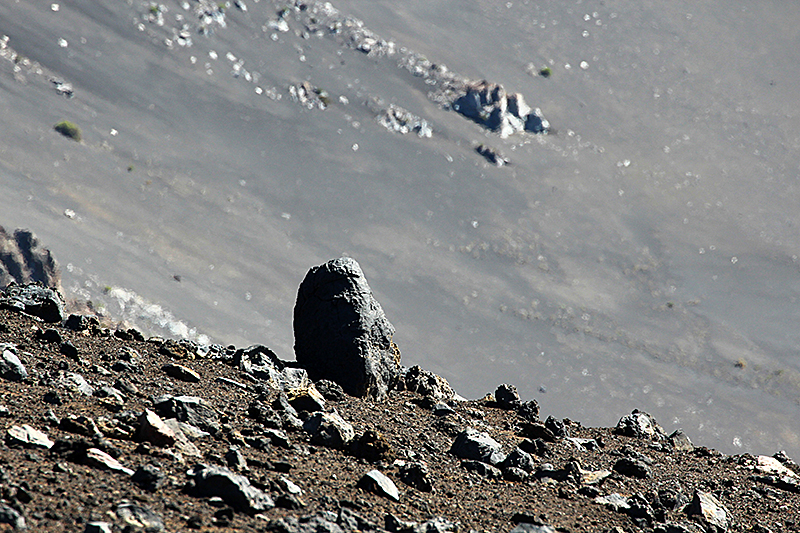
{"x":68,"y":129}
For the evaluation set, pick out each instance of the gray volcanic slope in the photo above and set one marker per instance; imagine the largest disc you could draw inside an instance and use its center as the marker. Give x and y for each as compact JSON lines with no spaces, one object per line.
{"x":642,"y":255}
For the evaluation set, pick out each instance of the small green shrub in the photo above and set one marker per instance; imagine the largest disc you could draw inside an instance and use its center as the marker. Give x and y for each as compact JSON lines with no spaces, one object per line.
{"x":545,"y":72}
{"x":68,"y":129}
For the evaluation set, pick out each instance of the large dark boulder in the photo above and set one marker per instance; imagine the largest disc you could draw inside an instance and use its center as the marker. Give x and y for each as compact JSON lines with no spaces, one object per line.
{"x":341,"y":332}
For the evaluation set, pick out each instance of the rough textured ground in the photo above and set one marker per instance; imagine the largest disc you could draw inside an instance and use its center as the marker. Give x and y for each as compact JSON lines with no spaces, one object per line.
{"x":636,"y":254}
{"x":59,"y":490}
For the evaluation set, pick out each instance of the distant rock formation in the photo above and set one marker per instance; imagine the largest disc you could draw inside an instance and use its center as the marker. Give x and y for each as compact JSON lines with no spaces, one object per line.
{"x":488,"y":104}
{"x":23,"y":260}
{"x":341,"y":332}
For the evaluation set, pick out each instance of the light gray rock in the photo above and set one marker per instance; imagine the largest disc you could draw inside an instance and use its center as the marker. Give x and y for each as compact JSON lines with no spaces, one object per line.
{"x":472,"y":444}
{"x":615,"y":502}
{"x":153,"y":430}
{"x":134,"y":518}
{"x":11,"y":368}
{"x":680,"y":441}
{"x":234,"y":489}
{"x":9,"y":515}
{"x":74,"y":382}
{"x":181,"y":372}
{"x":711,"y":512}
{"x":100,"y":459}
{"x":341,"y":332}
{"x":329,"y":429}
{"x":375,"y":481}
{"x":27,"y":436}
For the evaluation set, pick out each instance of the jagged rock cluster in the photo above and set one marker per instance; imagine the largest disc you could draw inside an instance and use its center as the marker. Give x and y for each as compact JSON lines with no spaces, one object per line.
{"x":105,"y":431}
{"x":395,"y":118}
{"x":488,"y":104}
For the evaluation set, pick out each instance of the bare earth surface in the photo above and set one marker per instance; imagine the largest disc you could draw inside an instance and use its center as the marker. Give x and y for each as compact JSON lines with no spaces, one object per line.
{"x":56,"y":486}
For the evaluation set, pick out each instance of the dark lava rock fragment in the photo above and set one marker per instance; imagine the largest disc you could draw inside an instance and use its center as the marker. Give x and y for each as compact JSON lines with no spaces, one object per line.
{"x":189,"y":409}
{"x":234,"y":489}
{"x":639,"y":425}
{"x":330,"y":390}
{"x":35,"y":300}
{"x":632,"y":468}
{"x":416,"y":475}
{"x":507,"y":396}
{"x":149,"y":477}
{"x":472,"y":444}
{"x":426,"y":383}
{"x":341,"y":332}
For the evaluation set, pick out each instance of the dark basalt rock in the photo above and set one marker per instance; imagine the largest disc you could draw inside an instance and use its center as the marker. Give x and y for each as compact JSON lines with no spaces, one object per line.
{"x":234,"y":489}
{"x":472,"y":444}
{"x":640,"y":425}
{"x":35,"y":300}
{"x":189,"y":409}
{"x":341,"y":332}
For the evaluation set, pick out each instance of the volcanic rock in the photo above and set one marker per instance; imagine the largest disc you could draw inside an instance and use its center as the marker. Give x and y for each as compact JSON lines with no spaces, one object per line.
{"x":488,"y":104}
{"x":710,"y":511}
{"x":133,"y":517}
{"x":11,"y":368}
{"x":640,"y":425}
{"x":426,"y":383}
{"x":28,"y":436}
{"x":234,"y":489}
{"x":377,"y":482}
{"x":519,"y":459}
{"x":181,"y":372}
{"x":329,"y":429}
{"x":472,"y":444}
{"x":9,"y":515}
{"x":35,"y":300}
{"x":632,"y":467}
{"x":102,"y":460}
{"x":149,"y":478}
{"x":342,"y":333}
{"x":152,"y":429}
{"x":190,"y":409}
{"x":416,"y":475}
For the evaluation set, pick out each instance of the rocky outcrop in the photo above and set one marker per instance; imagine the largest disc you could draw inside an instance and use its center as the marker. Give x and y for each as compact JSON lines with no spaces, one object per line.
{"x":341,"y":332}
{"x":488,"y":104}
{"x":24,"y":260}
{"x":34,"y":299}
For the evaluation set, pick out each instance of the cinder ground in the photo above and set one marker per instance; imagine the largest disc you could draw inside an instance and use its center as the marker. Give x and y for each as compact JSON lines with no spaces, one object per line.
{"x":60,"y":490}
{"x":630,"y":259}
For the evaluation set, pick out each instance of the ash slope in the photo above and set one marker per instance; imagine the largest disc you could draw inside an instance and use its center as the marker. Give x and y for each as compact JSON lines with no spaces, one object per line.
{"x":632,"y":257}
